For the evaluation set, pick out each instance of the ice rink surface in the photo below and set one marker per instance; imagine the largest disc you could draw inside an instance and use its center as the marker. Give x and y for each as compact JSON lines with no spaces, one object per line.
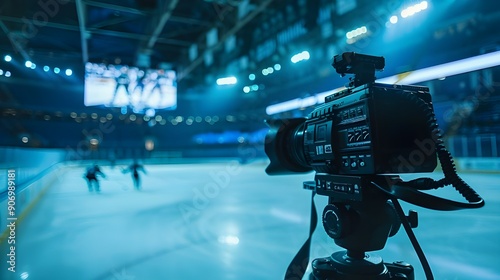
{"x":224,"y":221}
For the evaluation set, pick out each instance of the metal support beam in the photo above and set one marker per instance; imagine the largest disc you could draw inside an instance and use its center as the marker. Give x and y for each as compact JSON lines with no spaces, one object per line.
{"x":157,"y":24}
{"x":113,"y":21}
{"x":191,"y":21}
{"x":116,"y":8}
{"x":119,"y":8}
{"x":183,"y":32}
{"x":231,"y":32}
{"x":161,"y":23}
{"x":139,"y":37}
{"x":103,"y":32}
{"x":47,"y":24}
{"x":18,"y":47}
{"x":80,"y":10}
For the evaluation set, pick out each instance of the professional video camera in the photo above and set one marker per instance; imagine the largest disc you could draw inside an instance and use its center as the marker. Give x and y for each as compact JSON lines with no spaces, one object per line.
{"x":357,"y":142}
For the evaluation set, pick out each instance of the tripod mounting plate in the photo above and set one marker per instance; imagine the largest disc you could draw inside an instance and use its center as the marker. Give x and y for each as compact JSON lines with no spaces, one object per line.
{"x":339,"y":266}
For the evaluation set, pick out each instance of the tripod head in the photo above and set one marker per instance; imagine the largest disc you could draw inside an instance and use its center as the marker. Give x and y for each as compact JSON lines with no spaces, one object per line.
{"x":360,"y":219}
{"x":360,"y":226}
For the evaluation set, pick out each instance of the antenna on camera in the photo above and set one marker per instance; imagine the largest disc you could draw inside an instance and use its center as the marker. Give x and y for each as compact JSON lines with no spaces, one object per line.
{"x":361,"y":65}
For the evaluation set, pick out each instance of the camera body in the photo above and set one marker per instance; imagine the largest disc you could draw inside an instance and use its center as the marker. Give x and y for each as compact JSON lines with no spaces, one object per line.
{"x":368,"y":129}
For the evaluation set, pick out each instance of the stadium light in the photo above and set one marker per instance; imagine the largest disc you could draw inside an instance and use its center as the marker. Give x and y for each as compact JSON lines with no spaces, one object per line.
{"x":356,"y":32}
{"x":410,"y":11}
{"x":421,"y":75}
{"x":445,"y":70}
{"x":300,"y":57}
{"x":227,"y":81}
{"x":151,"y":113}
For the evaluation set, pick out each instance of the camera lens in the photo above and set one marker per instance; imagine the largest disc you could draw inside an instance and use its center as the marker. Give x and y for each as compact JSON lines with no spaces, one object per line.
{"x":285,"y":147}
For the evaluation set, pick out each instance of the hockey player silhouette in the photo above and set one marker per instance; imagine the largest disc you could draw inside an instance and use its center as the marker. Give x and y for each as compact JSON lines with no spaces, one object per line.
{"x":122,"y":81}
{"x":91,"y":177}
{"x":134,"y":170}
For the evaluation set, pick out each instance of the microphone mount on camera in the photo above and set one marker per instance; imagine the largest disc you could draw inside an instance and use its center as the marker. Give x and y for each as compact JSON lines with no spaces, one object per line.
{"x":361,"y":65}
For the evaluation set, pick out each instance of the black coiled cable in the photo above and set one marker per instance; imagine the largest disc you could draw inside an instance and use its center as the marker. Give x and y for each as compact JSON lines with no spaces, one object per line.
{"x":445,"y":158}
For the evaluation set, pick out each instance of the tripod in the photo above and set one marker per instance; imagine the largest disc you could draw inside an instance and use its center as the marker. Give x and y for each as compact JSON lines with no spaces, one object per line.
{"x":359,"y":218}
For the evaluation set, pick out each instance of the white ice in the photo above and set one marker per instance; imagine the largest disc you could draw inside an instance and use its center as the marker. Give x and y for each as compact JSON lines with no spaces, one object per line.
{"x":223,"y":221}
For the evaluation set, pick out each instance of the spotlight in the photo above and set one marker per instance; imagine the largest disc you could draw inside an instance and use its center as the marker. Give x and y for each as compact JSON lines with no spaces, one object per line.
{"x":300,"y":57}
{"x":150,"y":112}
{"x":28,"y":64}
{"x":149,"y":145}
{"x":251,"y":77}
{"x":69,"y":72}
{"x":46,"y":68}
{"x":410,"y":11}
{"x":227,"y":81}
{"x":356,"y":32}
{"x":7,"y":58}
{"x":57,"y":70}
{"x":423,"y":5}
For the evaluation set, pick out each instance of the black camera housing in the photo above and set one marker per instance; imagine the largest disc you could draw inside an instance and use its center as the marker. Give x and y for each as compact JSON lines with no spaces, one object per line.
{"x":369,"y":129}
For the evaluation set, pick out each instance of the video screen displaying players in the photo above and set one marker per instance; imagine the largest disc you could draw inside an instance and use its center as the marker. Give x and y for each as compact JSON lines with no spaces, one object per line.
{"x":121,"y":85}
